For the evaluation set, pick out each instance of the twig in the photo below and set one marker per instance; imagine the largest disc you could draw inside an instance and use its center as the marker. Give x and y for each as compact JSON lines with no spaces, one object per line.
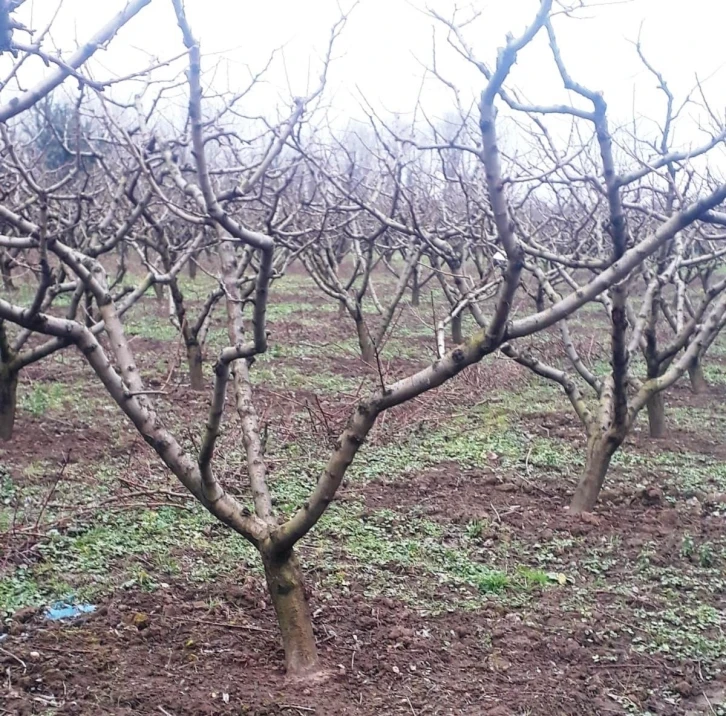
{"x":17,"y":658}
{"x":226,"y":625}
{"x":298,"y":708}
{"x":58,"y":478}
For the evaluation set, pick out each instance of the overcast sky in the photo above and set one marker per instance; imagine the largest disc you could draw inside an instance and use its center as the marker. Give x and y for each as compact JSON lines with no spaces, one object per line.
{"x":386,"y":42}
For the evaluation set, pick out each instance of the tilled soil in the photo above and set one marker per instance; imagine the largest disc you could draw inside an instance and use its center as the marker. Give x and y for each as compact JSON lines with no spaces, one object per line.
{"x":213,"y":649}
{"x":171,"y":653}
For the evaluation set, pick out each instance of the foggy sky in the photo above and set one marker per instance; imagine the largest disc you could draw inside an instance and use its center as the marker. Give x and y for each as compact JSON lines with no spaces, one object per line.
{"x":386,"y":43}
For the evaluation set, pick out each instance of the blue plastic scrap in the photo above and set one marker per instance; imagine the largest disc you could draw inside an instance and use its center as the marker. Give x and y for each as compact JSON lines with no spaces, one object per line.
{"x":62,"y":610}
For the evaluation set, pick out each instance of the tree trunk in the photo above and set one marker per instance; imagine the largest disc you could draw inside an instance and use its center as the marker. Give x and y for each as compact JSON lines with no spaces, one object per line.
{"x":7,"y":275}
{"x":656,"y":415}
{"x":90,"y":320}
{"x":600,"y":451}
{"x":192,"y":267}
{"x":367,"y":349}
{"x":698,"y":380}
{"x":194,"y":358}
{"x":285,"y":583}
{"x":415,"y":288}
{"x":159,"y":291}
{"x":122,"y":255}
{"x":457,"y":334}
{"x":539,"y":299}
{"x":8,"y":402}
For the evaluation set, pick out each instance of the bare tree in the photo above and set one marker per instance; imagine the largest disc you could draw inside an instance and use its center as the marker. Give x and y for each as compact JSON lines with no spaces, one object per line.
{"x":257,"y":238}
{"x":649,"y":200}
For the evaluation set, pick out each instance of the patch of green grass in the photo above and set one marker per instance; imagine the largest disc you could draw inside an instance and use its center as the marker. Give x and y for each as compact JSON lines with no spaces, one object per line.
{"x":20,"y":590}
{"x":42,"y":479}
{"x":40,"y":468}
{"x":280,"y":378}
{"x":25,"y":293}
{"x":718,"y":347}
{"x":469,"y":441}
{"x":132,"y":548}
{"x":534,"y":396}
{"x":535,"y":577}
{"x":417,"y":560}
{"x":714,"y":372}
{"x":42,"y":398}
{"x":143,"y":547}
{"x":278,"y":351}
{"x":686,"y":631}
{"x":558,"y":454}
{"x":460,"y":441}
{"x":394,"y":347}
{"x":197,"y":289}
{"x":281,"y":310}
{"x":148,"y":325}
{"x":680,"y":472}
{"x":694,"y":419}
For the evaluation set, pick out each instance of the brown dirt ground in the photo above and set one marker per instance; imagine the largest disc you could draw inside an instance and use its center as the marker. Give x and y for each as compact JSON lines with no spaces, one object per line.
{"x":171,"y":652}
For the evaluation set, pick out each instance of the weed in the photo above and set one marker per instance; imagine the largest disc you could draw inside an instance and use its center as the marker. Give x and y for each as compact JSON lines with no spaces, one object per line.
{"x":42,"y":398}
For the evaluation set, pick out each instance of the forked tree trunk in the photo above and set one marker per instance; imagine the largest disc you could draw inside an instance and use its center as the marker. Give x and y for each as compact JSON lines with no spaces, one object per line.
{"x":8,"y":402}
{"x":600,"y":451}
{"x":457,"y":333}
{"x":194,"y":358}
{"x":699,"y":384}
{"x":287,"y":591}
{"x":656,"y":415}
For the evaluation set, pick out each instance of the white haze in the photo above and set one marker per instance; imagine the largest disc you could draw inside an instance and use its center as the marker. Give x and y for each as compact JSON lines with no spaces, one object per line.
{"x":386,"y":45}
